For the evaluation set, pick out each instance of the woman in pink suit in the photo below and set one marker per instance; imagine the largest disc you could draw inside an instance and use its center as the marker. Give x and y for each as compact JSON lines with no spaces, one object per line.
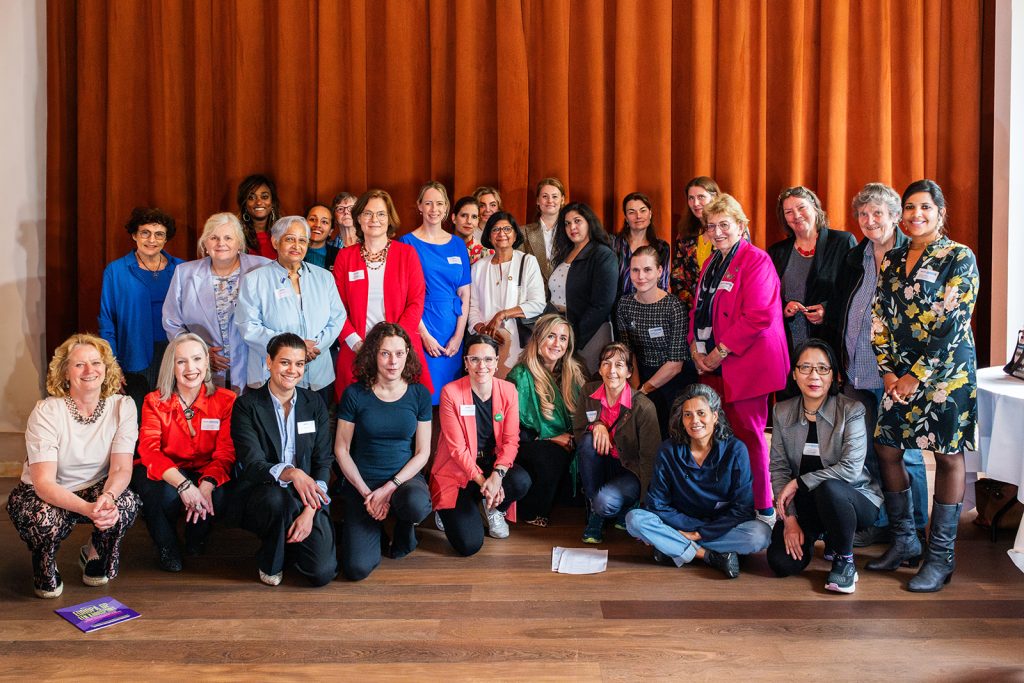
{"x":737,"y":338}
{"x":379,"y":280}
{"x":477,"y":451}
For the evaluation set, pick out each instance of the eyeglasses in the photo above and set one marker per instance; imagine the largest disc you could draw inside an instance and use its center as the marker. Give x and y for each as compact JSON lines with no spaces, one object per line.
{"x":806,"y":368}
{"x":292,"y":239}
{"x":380,"y":215}
{"x":159,"y":236}
{"x":507,"y":229}
{"x":343,"y":208}
{"x":724,"y":226}
{"x":486,"y":360}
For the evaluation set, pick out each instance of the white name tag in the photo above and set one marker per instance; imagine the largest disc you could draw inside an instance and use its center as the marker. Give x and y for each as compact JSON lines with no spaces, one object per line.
{"x":656,"y":332}
{"x":467,"y":411}
{"x":700,"y":347}
{"x":282,"y":293}
{"x":812,"y":449}
{"x":306,"y":427}
{"x":591,"y":415}
{"x":209,"y":424}
{"x":455,"y":260}
{"x":354,"y":275}
{"x":725,"y":286}
{"x":927,"y":274}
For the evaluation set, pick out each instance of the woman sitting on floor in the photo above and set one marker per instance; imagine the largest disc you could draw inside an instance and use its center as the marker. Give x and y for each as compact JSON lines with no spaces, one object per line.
{"x":700,"y":503}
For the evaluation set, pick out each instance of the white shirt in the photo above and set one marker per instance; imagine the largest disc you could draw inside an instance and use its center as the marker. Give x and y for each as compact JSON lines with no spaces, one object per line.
{"x":556,"y":285}
{"x":497,"y":288}
{"x":549,"y":237}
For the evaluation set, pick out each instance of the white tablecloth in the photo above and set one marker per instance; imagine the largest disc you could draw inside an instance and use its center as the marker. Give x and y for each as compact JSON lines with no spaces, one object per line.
{"x":1001,"y":436}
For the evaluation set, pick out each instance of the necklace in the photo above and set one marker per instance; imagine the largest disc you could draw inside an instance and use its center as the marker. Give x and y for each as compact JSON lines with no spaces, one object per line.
{"x":808,"y":413}
{"x":805,"y":253}
{"x":77,"y":416}
{"x":187,"y":408}
{"x":159,"y":265}
{"x":501,"y":275}
{"x":376,"y":260}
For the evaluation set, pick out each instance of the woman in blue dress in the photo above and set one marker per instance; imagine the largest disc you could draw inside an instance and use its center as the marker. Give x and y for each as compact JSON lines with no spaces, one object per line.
{"x":445,"y":262}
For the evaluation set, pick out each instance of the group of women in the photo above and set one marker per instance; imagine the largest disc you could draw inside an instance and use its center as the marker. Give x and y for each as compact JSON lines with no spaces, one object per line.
{"x":485,"y":339}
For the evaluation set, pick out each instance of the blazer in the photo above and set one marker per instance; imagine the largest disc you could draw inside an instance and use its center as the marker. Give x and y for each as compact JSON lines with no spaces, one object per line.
{"x":590,"y":290}
{"x":165,"y":442}
{"x":257,"y":438}
{"x":747,"y":318}
{"x":404,"y":293}
{"x":267,"y":306}
{"x":842,"y":442}
{"x":191,"y":306}
{"x":829,"y":258}
{"x":848,"y":281}
{"x":533,"y":244}
{"x":455,"y":461}
{"x":637,"y":434}
{"x":126,"y":317}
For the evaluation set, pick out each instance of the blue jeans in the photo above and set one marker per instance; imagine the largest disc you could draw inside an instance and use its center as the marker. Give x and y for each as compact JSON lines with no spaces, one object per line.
{"x":609,"y":486}
{"x":746,"y":538}
{"x":913,"y":459}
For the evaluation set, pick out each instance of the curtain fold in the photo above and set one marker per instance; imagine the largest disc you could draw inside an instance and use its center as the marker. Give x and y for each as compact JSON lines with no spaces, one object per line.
{"x":171,"y":103}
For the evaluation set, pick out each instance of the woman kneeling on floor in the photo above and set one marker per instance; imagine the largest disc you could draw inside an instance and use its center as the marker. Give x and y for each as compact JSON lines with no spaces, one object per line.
{"x":700,"y":503}
{"x":817,"y":467}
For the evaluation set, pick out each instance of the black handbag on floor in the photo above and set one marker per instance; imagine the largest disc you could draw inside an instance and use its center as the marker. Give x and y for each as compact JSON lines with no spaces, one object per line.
{"x":1015,"y":367}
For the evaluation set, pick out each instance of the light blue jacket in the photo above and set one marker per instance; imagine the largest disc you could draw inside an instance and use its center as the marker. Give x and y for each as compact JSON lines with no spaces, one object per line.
{"x":191,"y":306}
{"x":267,"y":306}
{"x":126,"y":319}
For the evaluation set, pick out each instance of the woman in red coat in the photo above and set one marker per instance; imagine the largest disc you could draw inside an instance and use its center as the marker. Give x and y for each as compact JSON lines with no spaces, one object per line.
{"x":379,"y":280}
{"x":477,"y":451}
{"x":185,"y":450}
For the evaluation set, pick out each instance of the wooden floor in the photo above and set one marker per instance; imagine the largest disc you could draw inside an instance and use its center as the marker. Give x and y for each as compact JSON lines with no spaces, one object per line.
{"x":503,"y":615}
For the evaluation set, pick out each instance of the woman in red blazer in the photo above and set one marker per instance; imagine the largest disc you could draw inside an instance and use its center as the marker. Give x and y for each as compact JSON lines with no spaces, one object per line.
{"x":185,"y":450}
{"x":477,"y":451}
{"x":379,"y":280}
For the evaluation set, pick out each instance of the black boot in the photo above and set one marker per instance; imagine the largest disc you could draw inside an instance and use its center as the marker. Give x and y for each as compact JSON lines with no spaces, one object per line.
{"x":939,"y":562}
{"x":905,"y":550}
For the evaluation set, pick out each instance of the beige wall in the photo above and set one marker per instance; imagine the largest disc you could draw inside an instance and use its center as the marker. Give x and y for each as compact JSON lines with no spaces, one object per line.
{"x":22,"y":210}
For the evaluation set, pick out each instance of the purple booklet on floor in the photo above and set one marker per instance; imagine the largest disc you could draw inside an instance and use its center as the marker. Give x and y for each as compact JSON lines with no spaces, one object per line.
{"x":96,"y":614}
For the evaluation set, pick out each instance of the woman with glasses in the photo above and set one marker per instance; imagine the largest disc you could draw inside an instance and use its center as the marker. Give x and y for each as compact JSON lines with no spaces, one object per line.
{"x":475,"y":461}
{"x":638,"y":231}
{"x":507,"y":286}
{"x":737,"y":340}
{"x":132,"y":300}
{"x":343,"y":233}
{"x":691,"y":247}
{"x":446,"y":272}
{"x":289,"y":295}
{"x":379,"y":280}
{"x":818,"y":474}
{"x":258,"y":209}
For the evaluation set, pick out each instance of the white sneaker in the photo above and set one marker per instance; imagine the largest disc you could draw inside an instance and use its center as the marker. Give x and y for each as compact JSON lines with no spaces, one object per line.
{"x":271,"y":579}
{"x":768,"y":519}
{"x":497,"y":527}
{"x":437,"y":521}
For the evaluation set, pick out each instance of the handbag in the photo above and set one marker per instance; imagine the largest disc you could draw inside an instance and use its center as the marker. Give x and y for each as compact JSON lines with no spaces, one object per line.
{"x":998,"y":507}
{"x":1015,"y":368}
{"x":524,"y":325}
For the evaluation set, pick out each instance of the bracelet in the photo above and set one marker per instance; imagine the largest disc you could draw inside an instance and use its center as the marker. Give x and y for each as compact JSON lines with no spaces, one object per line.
{"x":396,"y":481}
{"x":109,"y":493}
{"x":184,"y":486}
{"x":501,"y":472}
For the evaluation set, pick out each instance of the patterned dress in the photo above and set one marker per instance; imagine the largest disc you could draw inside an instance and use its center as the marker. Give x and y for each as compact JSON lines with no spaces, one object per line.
{"x":688,"y":257}
{"x":921,"y":324}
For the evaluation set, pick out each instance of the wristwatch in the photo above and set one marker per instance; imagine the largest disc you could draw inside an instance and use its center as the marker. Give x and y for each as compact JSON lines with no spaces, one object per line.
{"x":722,"y":350}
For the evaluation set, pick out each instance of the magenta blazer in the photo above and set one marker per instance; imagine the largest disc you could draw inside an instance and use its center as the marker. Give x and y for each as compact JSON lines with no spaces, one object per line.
{"x":747,"y":318}
{"x":455,"y":460}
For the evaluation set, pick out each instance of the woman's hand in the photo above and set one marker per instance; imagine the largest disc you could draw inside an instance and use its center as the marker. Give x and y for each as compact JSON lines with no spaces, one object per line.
{"x":454,"y":343}
{"x":492,"y":492}
{"x":794,"y":538}
{"x":602,"y":439}
{"x":712,"y":360}
{"x":378,"y":501}
{"x":563,"y":440}
{"x":430,"y":344}
{"x":792,"y":308}
{"x":815,"y":314}
{"x":218,"y":361}
{"x":311,"y":350}
{"x":905,"y":387}
{"x":195,"y":504}
{"x":104,"y":513}
{"x":785,"y":497}
{"x":496,"y":323}
{"x":698,"y":360}
{"x":301,"y":527}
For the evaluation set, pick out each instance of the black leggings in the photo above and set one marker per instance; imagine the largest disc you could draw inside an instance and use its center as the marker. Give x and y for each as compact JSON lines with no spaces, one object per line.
{"x":462,"y":524}
{"x":546,"y":462}
{"x":834,"y":508}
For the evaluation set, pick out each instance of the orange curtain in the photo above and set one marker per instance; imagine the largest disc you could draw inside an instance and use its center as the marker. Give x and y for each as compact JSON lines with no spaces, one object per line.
{"x":172,"y":102}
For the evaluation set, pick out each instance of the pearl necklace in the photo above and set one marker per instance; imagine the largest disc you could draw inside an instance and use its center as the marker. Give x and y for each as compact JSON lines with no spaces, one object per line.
{"x":77,"y":416}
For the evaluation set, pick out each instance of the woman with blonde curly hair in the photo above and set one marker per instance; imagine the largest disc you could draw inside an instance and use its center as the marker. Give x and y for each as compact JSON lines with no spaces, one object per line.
{"x":548,"y":379}
{"x":80,"y":442}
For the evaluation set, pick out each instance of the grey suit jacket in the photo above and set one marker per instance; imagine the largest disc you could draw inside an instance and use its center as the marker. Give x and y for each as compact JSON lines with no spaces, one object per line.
{"x":842,"y":440}
{"x":534,"y":244}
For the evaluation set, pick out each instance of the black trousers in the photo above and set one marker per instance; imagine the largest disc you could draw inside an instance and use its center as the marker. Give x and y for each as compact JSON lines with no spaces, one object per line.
{"x":361,"y":534}
{"x":270,"y":510}
{"x":463,"y":525}
{"x":834,"y":508}
{"x":546,"y":462}
{"x":161,"y":508}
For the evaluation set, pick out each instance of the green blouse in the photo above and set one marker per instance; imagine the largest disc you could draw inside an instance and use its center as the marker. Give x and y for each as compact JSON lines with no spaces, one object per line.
{"x":529,"y":406}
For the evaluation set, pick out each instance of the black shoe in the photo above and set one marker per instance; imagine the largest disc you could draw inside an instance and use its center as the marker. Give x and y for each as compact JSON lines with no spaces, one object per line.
{"x":727,"y":563}
{"x":170,"y":559}
{"x":92,"y":570}
{"x":663,"y":559}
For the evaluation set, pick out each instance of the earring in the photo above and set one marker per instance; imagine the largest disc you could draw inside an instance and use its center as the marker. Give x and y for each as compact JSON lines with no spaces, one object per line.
{"x":246,"y":218}
{"x":67,"y":384}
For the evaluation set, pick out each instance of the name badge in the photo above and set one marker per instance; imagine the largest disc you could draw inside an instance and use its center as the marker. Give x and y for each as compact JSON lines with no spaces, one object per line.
{"x":467,"y":411}
{"x":927,"y":274}
{"x":282,"y":293}
{"x":812,"y":449}
{"x":306,"y":427}
{"x":354,"y":275}
{"x":209,"y":424}
{"x":701,"y":347}
{"x":591,"y":416}
{"x":656,"y":332}
{"x":455,"y":260}
{"x":725,"y":286}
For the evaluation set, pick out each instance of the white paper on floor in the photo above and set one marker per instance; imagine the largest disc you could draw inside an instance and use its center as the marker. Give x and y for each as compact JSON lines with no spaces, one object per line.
{"x":578,"y":560}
